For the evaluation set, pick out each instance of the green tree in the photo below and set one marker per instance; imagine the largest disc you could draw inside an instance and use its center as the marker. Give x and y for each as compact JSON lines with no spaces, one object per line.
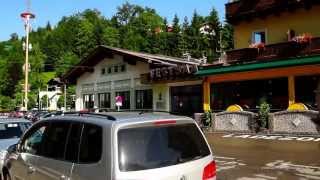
{"x":175,"y":38}
{"x":227,"y":37}
{"x":85,"y":39}
{"x":212,"y":46}
{"x":111,"y":37}
{"x":67,"y":61}
{"x":127,"y":12}
{"x":37,"y":59}
{"x":196,"y":38}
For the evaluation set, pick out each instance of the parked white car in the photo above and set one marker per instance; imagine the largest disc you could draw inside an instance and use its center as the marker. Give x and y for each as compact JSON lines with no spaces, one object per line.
{"x":10,"y":131}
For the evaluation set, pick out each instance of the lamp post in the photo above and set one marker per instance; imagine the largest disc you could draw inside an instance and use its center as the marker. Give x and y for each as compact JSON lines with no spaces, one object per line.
{"x":26,"y":16}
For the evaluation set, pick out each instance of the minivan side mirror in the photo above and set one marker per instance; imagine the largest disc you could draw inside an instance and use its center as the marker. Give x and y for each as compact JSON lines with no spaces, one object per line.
{"x":13,"y":148}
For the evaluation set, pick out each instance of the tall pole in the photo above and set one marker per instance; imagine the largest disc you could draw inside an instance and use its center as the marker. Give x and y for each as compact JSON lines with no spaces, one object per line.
{"x":27,"y":16}
{"x":26,"y":68}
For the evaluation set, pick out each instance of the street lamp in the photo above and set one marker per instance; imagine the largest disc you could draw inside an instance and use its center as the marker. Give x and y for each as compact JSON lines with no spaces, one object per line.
{"x":26,"y":16}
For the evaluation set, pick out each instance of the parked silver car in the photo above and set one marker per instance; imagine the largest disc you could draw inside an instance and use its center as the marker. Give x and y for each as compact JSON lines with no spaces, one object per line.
{"x":114,"y":146}
{"x":10,"y":131}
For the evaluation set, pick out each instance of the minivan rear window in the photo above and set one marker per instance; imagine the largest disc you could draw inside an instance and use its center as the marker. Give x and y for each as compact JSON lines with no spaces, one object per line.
{"x":159,"y":146}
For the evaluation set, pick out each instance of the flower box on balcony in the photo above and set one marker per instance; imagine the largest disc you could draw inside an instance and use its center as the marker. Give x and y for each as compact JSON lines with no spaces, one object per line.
{"x":279,"y":50}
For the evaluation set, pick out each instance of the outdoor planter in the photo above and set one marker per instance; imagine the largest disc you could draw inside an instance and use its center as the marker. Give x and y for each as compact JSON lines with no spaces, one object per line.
{"x":198,"y":117}
{"x":242,"y":121}
{"x":295,"y":122}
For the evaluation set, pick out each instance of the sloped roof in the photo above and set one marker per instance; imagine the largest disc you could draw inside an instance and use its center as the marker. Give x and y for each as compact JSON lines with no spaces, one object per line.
{"x":101,"y":52}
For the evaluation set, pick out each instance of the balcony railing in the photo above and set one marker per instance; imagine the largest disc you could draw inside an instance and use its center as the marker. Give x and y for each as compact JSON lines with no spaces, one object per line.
{"x":274,"y":51}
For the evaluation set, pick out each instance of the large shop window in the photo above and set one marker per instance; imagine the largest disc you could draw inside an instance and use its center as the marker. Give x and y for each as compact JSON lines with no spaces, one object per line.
{"x":250,"y":94}
{"x":305,"y":91}
{"x":144,"y":99}
{"x":125,"y":99}
{"x":88,"y":101}
{"x":104,"y":100}
{"x":186,"y":100}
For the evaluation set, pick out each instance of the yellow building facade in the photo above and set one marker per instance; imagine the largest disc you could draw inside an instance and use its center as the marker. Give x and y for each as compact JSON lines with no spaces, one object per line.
{"x":276,"y":26}
{"x":276,"y":57}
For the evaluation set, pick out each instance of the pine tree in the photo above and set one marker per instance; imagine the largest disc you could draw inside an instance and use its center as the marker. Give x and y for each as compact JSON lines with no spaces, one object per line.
{"x":196,"y":37}
{"x":185,"y":41}
{"x":213,"y":36}
{"x":227,"y":37}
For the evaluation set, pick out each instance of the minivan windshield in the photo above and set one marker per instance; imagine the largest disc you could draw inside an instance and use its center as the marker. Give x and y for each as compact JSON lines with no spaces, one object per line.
{"x":159,"y":146}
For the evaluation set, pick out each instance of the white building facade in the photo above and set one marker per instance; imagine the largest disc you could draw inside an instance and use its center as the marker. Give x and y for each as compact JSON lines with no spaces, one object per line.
{"x":111,"y":72}
{"x":112,"y":77}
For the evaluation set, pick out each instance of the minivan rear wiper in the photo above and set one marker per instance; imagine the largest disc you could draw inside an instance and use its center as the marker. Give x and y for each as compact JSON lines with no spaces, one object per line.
{"x":183,"y":160}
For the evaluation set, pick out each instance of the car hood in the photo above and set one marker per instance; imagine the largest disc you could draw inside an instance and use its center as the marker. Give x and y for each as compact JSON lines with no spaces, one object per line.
{"x":5,"y":143}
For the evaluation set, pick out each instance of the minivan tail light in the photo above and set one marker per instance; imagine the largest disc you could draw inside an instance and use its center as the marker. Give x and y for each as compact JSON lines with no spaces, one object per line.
{"x":209,"y":171}
{"x":164,"y":122}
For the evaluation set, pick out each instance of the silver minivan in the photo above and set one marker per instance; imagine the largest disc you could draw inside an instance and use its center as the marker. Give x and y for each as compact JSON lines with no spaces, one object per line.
{"x":113,"y":146}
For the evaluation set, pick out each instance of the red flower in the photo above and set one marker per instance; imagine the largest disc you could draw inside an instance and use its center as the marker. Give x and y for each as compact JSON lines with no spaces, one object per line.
{"x":257,"y":45}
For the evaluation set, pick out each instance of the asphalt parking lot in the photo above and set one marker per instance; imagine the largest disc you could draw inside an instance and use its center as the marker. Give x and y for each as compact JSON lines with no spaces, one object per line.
{"x":249,"y":157}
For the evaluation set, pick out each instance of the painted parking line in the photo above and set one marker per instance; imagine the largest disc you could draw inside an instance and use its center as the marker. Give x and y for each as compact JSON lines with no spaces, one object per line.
{"x":266,"y":177}
{"x":274,"y":137}
{"x":226,"y":163}
{"x":221,"y":157}
{"x":258,"y":177}
{"x":310,"y":172}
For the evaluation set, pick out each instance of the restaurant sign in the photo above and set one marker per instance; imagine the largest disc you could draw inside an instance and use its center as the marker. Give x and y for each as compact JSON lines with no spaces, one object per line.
{"x":172,"y":72}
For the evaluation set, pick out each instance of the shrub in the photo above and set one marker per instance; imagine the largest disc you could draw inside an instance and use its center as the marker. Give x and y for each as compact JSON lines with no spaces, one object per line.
{"x":264,"y":111}
{"x":207,"y":119}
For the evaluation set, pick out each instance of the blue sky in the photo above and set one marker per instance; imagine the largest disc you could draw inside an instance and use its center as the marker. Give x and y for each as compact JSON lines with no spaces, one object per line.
{"x":53,"y":10}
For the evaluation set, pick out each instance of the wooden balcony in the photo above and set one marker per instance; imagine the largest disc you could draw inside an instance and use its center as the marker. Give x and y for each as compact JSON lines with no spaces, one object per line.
{"x":274,"y":51}
{"x":247,"y":9}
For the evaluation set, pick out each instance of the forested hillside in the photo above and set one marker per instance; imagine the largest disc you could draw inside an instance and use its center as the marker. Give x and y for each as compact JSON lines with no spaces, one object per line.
{"x":60,"y":47}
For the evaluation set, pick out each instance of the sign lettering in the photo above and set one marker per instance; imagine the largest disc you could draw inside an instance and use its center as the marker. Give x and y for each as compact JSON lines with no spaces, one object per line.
{"x":166,"y":73}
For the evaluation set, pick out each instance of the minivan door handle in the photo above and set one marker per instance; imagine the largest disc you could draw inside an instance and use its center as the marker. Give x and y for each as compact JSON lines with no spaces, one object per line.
{"x":31,"y":169}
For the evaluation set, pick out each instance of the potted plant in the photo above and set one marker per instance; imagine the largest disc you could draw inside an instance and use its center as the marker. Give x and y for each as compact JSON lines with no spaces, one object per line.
{"x":259,"y":46}
{"x":303,"y":39}
{"x":263,"y":115}
{"x":207,"y":119}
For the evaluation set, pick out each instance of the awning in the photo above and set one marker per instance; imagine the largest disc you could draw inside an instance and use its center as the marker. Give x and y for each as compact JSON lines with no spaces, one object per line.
{"x":298,"y":61}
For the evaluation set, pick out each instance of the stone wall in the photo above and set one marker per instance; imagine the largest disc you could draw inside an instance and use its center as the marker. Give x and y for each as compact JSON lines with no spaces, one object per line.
{"x":234,"y":121}
{"x":297,"y":122}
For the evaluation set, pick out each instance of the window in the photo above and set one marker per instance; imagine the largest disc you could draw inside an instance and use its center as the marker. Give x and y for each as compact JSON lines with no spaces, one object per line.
{"x":123,"y":68}
{"x":72,"y":151}
{"x":91,"y":144}
{"x":259,"y":37}
{"x":145,"y":148}
{"x":88,"y":101}
{"x":109,"y":70}
{"x":103,"y":71}
{"x":104,"y":100}
{"x":55,"y":140}
{"x":144,"y":99}
{"x":115,"y":69}
{"x":33,"y":140}
{"x":126,"y":99}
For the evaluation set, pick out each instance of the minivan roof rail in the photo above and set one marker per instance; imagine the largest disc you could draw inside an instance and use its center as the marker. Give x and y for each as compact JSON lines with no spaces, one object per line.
{"x":133,"y":110}
{"x":109,"y":117}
